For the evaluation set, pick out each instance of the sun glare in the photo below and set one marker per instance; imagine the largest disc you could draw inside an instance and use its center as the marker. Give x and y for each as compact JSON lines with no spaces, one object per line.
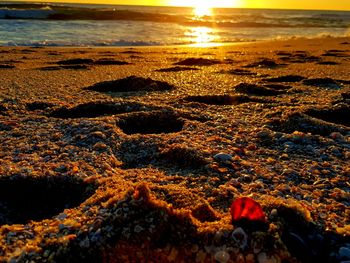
{"x":200,"y":11}
{"x":205,"y":4}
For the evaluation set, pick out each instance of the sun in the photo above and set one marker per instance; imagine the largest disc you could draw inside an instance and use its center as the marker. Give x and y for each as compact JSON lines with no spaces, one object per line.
{"x":205,"y":4}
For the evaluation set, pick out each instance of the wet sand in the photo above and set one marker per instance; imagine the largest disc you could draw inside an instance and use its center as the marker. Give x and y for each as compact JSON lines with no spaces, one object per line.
{"x":136,"y":154}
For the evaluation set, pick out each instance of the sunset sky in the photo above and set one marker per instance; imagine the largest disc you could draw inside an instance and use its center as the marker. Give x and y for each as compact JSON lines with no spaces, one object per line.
{"x":289,"y":4}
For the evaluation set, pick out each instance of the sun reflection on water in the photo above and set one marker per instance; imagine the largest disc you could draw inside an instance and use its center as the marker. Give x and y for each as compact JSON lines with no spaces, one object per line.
{"x":202,"y":10}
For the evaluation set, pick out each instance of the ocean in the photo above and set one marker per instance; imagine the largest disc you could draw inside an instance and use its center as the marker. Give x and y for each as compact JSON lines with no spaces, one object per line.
{"x":31,"y":24}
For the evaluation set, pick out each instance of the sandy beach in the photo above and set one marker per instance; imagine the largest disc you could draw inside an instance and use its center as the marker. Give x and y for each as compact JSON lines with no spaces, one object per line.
{"x":136,"y":154}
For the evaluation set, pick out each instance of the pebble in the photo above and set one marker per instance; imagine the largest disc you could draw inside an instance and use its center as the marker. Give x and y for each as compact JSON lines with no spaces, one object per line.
{"x":240,"y":237}
{"x":222,"y":256}
{"x":344,"y":253}
{"x":263,"y":258}
{"x":223,"y":157}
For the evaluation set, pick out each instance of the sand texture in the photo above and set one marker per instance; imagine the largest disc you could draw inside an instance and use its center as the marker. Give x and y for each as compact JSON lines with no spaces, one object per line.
{"x":136,"y":154}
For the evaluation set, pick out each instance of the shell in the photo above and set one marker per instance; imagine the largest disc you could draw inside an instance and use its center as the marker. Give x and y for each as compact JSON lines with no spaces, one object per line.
{"x":246,"y":208}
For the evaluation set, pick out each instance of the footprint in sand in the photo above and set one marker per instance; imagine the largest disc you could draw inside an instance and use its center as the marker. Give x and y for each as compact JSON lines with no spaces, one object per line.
{"x":154,"y":122}
{"x":176,"y":69}
{"x":198,"y":62}
{"x":285,"y":78}
{"x":96,"y":109}
{"x":39,"y":197}
{"x":322,"y":83}
{"x":257,"y":90}
{"x":224,"y":99}
{"x":131,"y":84}
{"x":317,"y":122}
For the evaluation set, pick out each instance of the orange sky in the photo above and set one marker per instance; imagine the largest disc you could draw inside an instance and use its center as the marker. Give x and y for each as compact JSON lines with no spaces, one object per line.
{"x":289,"y":4}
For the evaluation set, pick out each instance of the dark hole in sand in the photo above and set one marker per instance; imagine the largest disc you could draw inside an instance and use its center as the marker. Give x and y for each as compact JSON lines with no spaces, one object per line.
{"x":155,"y":122}
{"x":338,"y":115}
{"x":223,"y":99}
{"x":104,"y":61}
{"x":264,"y":63}
{"x":75,"y":61}
{"x":253,"y":89}
{"x":241,"y":72}
{"x":322,"y":82}
{"x":93,"y":110}
{"x":130,"y":84}
{"x":302,"y":122}
{"x":38,"y":105}
{"x":27,"y":198}
{"x":198,"y":62}
{"x":176,"y":69}
{"x":5,"y":66}
{"x":327,"y":63}
{"x":3,"y":108}
{"x":286,"y":78}
{"x":306,"y":241}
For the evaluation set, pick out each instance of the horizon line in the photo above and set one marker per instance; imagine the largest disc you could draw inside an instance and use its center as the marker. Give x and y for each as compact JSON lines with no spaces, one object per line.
{"x":105,"y":4}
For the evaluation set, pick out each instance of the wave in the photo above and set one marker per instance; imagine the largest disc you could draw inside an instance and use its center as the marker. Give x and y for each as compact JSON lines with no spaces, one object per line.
{"x":237,"y":18}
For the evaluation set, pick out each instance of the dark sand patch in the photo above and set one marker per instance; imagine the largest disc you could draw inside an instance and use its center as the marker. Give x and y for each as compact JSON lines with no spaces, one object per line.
{"x":339,"y":114}
{"x":286,"y":78}
{"x":240,"y":72}
{"x":327,"y":63}
{"x":38,"y":105}
{"x":94,"y":109}
{"x":104,"y":61}
{"x":224,"y":99}
{"x":40,"y":197}
{"x":183,"y":156}
{"x":322,"y":83}
{"x":264,"y":63}
{"x":176,"y":69}
{"x":278,"y":86}
{"x":75,"y":61}
{"x":335,"y":53}
{"x":132,"y":83}
{"x":198,"y":62}
{"x":302,"y":122}
{"x":154,"y":122}
{"x":6,"y":66}
{"x":254,"y":89}
{"x":298,"y":57}
{"x":75,"y":67}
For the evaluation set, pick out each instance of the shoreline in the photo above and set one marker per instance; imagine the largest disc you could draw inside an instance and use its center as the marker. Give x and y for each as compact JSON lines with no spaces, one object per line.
{"x":136,"y":153}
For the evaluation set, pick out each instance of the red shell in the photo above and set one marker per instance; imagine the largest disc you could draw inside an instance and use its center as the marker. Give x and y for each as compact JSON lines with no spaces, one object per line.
{"x":246,"y":208}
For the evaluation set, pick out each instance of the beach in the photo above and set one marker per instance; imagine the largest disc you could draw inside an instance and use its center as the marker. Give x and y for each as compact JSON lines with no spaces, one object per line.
{"x":135,"y":154}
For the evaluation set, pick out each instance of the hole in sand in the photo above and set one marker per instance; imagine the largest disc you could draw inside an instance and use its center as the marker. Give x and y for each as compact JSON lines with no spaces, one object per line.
{"x":322,"y":83}
{"x":131,"y":83}
{"x":285,"y":78}
{"x":223,"y":99}
{"x":94,"y":109}
{"x":155,"y":122}
{"x":339,"y":115}
{"x":198,"y":62}
{"x":38,"y":105}
{"x":253,"y":89}
{"x":176,"y":69}
{"x":305,"y":123}
{"x":27,"y":198}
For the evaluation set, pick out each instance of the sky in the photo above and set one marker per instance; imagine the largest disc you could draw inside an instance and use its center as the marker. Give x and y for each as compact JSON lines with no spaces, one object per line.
{"x":282,"y":4}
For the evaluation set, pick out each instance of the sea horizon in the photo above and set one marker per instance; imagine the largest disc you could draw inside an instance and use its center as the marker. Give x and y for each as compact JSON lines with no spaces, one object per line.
{"x":54,"y":24}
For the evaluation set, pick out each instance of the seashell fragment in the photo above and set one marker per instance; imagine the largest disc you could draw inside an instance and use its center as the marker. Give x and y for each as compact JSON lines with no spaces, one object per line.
{"x":246,"y":208}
